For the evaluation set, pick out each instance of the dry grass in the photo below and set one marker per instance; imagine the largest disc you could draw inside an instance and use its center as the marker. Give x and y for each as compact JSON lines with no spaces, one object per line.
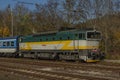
{"x":113,"y":55}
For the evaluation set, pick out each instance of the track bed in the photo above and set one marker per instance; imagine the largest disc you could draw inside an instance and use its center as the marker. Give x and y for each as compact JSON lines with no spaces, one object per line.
{"x":30,"y":69}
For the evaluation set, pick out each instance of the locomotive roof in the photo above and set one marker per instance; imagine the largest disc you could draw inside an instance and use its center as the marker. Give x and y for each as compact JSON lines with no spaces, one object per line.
{"x":60,"y":32}
{"x":57,"y":32}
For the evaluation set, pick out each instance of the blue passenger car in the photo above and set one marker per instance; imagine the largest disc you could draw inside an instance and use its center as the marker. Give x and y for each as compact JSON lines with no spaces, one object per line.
{"x":9,"y":46}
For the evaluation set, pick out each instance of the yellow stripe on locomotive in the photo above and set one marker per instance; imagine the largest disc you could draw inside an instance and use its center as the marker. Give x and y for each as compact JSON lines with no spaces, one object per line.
{"x":60,"y":45}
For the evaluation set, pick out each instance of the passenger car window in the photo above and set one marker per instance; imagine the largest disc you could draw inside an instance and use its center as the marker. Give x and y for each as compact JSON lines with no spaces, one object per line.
{"x":0,"y":43}
{"x":4,"y":44}
{"x":8,"y":43}
{"x":12,"y":43}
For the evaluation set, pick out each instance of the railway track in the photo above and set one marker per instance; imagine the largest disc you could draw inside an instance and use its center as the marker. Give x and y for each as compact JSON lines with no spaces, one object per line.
{"x":103,"y":66}
{"x":49,"y":70}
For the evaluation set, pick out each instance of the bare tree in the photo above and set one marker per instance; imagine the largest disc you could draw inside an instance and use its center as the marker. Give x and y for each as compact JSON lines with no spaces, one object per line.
{"x":76,"y":11}
{"x":47,"y":16}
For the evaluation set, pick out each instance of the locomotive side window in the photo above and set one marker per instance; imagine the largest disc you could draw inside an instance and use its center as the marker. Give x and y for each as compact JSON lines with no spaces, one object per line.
{"x":68,"y":37}
{"x":76,"y":35}
{"x":83,"y":35}
{"x":53,"y":38}
{"x":46,"y":39}
{"x":80,"y":36}
{"x":60,"y":38}
{"x":40,"y":39}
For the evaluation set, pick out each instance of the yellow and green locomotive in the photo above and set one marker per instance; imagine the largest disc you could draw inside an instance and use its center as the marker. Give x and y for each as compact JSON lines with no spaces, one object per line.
{"x":78,"y":45}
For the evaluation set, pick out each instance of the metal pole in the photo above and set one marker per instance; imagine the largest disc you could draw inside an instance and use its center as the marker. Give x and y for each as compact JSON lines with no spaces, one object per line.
{"x":11,"y":22}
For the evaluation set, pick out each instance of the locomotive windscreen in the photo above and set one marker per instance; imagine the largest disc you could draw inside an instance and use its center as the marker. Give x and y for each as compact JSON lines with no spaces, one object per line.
{"x":93,"y":35}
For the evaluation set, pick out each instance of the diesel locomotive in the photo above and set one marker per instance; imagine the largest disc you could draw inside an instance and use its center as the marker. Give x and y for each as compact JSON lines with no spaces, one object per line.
{"x":77,"y":45}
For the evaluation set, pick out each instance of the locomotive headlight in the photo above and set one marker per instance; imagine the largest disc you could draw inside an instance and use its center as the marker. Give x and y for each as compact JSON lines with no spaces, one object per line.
{"x":94,"y":50}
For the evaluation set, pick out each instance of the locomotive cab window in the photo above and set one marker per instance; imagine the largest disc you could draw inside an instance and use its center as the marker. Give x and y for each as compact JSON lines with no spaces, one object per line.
{"x":93,"y":35}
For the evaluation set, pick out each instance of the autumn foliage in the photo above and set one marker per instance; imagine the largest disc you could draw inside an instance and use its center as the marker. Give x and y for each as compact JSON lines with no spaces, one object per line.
{"x":5,"y":32}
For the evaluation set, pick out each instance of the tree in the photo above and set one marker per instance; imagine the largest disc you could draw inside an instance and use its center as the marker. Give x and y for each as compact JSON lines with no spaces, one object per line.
{"x":47,"y":16}
{"x":75,"y":11}
{"x":22,"y":19}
